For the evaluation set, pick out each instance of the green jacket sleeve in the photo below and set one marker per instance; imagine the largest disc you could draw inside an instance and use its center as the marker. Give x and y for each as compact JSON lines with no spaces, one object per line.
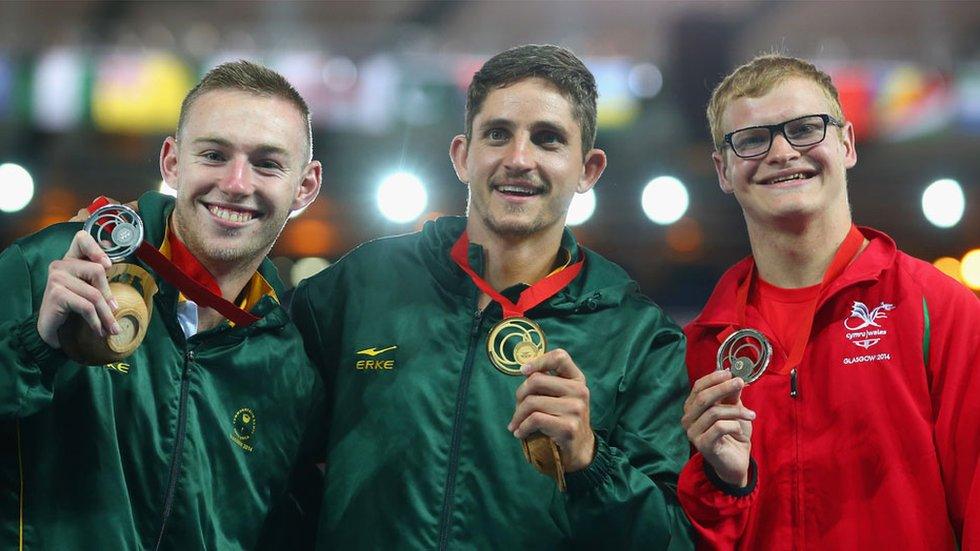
{"x":626,"y":499}
{"x":27,"y":363}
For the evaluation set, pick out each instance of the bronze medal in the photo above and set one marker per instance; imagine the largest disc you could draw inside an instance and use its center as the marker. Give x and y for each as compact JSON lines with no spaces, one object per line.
{"x":514,"y":342}
{"x":118,"y":230}
{"x":746,"y":353}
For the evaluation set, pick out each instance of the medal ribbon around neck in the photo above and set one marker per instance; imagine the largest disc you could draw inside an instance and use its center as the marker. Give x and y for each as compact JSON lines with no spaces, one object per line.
{"x":845,"y":254}
{"x":530,"y":339}
{"x":187,"y":274}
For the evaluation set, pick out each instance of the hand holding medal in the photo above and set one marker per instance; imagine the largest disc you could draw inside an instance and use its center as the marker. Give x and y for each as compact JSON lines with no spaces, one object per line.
{"x":95,"y":307}
{"x":552,"y":414}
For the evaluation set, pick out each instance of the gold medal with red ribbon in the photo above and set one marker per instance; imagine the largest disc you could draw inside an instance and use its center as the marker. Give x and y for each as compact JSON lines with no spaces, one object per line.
{"x":516,"y":340}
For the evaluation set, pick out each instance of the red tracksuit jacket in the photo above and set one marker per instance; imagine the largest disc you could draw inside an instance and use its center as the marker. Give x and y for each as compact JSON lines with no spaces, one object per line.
{"x":879,"y":449}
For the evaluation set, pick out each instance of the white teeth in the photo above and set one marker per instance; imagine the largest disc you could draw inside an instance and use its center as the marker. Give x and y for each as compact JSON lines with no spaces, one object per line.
{"x":797,"y":176}
{"x":230,"y":215}
{"x":516,"y":189}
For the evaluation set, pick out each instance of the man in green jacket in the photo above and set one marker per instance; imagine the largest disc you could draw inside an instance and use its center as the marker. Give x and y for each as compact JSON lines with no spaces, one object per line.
{"x":427,"y":418}
{"x":187,"y":443}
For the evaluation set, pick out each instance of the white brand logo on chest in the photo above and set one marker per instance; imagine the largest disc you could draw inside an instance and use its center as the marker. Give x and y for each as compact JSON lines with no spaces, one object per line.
{"x":862,"y":324}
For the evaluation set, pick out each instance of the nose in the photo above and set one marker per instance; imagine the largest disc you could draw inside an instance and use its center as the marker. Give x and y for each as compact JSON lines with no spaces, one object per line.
{"x":520,"y":155}
{"x":781,"y":150}
{"x":238,"y":178}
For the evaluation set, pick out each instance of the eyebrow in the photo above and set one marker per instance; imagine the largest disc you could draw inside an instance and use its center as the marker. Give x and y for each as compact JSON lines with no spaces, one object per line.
{"x":261,"y":148}
{"x":537,"y":125}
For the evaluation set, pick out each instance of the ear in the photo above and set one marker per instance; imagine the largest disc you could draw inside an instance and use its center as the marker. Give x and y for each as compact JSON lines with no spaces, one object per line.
{"x":721,"y":168}
{"x":459,"y":150}
{"x":847,"y":139}
{"x":595,"y":163}
{"x":168,"y":162}
{"x":309,"y":186}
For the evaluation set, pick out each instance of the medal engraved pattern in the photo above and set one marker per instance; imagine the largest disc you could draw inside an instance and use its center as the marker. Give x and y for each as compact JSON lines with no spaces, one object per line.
{"x":513,"y":342}
{"x":746,"y":353}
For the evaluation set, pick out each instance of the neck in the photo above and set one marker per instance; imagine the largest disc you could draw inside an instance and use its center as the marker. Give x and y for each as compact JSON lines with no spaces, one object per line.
{"x":796,"y":254}
{"x":519,"y":259}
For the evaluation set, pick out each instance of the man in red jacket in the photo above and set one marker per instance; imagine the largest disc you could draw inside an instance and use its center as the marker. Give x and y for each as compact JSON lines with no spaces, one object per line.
{"x":863,"y":430}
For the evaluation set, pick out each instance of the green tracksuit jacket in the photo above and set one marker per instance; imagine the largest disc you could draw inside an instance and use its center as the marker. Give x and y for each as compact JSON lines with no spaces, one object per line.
{"x":184,"y":445}
{"x":418,"y":453}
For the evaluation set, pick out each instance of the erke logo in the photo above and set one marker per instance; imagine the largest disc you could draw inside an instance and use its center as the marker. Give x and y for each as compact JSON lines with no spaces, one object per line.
{"x":378,"y":364}
{"x":861,"y":318}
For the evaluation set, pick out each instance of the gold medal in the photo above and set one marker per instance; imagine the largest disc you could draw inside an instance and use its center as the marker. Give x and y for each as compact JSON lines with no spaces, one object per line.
{"x":745,"y":353}
{"x":514,"y":342}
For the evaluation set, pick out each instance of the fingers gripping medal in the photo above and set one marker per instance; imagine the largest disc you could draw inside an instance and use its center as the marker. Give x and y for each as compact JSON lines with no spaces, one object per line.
{"x":517,"y":340}
{"x":512,"y":343}
{"x":745,"y":353}
{"x":118,"y":229}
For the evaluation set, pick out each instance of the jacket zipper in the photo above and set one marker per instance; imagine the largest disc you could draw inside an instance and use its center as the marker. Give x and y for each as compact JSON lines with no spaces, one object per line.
{"x":464,"y":385}
{"x":799,"y":527}
{"x":168,"y":501}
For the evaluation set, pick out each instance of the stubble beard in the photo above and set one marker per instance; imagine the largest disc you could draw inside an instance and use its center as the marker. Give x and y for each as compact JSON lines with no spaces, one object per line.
{"x":212,"y":252}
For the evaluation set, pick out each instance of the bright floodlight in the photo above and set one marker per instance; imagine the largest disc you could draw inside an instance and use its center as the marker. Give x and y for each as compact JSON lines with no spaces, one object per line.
{"x":970,"y":269}
{"x":581,"y":209}
{"x":401,"y":197}
{"x":665,"y":200}
{"x":166,"y":189}
{"x":943,"y":203}
{"x":16,"y":187}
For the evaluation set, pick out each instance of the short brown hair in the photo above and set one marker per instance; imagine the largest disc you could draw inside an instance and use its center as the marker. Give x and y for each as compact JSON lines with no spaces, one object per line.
{"x":555,"y":64}
{"x":758,"y":77}
{"x":253,"y":78}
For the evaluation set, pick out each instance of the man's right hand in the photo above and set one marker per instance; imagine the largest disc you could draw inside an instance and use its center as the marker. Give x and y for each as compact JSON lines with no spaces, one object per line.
{"x":719,"y":426}
{"x":77,"y":284}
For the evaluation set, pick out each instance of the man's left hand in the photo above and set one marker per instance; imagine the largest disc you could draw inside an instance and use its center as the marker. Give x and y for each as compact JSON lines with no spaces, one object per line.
{"x":554,"y":400}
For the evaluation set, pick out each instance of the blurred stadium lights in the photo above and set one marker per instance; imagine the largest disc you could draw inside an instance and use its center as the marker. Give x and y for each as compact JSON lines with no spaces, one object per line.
{"x":943,"y":203}
{"x":970,"y":269}
{"x":17,"y":185}
{"x":949,"y":266}
{"x":665,"y":200}
{"x":581,"y":209}
{"x":645,"y":80}
{"x":306,"y":267}
{"x":401,"y":197}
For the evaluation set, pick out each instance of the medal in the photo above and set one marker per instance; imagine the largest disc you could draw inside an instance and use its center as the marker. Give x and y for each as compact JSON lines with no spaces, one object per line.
{"x":745,"y":353}
{"x":119,"y":232}
{"x":513,"y":342}
{"x":516,"y":340}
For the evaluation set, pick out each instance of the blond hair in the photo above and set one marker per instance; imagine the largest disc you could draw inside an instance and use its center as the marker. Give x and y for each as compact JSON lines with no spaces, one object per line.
{"x":759,"y":76}
{"x":246,"y":76}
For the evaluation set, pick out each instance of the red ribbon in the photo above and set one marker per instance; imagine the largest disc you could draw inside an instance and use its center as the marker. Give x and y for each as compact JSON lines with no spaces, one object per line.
{"x":845,"y":254}
{"x":530,"y":297}
{"x":185,"y":272}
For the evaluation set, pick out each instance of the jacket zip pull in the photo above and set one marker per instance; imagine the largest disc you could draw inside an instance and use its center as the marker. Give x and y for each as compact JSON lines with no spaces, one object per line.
{"x":477,"y":317}
{"x":794,"y":390}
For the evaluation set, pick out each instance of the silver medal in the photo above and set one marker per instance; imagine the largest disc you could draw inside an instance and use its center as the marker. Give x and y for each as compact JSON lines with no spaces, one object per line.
{"x":745,"y":353}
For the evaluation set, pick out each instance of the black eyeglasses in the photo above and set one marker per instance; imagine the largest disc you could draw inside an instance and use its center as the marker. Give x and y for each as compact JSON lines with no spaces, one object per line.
{"x":801,"y":132}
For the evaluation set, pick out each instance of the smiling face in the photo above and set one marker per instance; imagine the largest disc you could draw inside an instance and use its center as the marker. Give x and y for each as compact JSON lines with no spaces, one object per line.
{"x":787,"y":183}
{"x":239,"y":166}
{"x":524,"y":162}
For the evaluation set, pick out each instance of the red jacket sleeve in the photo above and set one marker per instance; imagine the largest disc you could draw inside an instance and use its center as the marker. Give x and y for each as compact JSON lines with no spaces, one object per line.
{"x":953,"y":364}
{"x":719,"y":518}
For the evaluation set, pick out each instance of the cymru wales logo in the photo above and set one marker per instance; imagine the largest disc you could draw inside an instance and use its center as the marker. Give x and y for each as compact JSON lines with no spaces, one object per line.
{"x":864,"y":317}
{"x":243,"y":428}
{"x":861,"y":318}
